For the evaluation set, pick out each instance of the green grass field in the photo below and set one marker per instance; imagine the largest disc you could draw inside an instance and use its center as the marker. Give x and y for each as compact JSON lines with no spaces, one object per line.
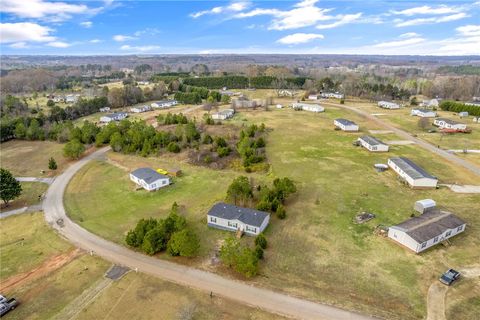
{"x":317,"y":252}
{"x":29,"y":196}
{"x":28,"y":158}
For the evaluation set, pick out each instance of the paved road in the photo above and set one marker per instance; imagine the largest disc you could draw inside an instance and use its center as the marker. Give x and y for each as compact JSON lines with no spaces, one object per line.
{"x":450,"y":157}
{"x":209,"y":282}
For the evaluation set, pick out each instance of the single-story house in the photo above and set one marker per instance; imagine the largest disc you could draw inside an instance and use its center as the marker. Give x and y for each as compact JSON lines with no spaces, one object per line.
{"x":226,"y":93}
{"x":105,"y":109}
{"x":423,"y":113}
{"x":163,"y":104}
{"x":426,"y":230}
{"x":430,"y":103}
{"x":414,"y":175}
{"x":232,"y":218}
{"x":445,"y":123}
{"x":59,"y":99}
{"x":313,"y":97}
{"x":285,"y":93}
{"x":118,"y":116}
{"x":335,"y":95}
{"x":140,"y":109}
{"x":223,"y":114}
{"x":388,"y":105}
{"x":308,"y":107}
{"x":149,"y":179}
{"x":373,"y":144}
{"x":345,"y":125}
{"x":72,"y":98}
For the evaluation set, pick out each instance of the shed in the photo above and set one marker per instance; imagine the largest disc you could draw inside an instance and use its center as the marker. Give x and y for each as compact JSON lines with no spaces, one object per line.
{"x":463,"y":114}
{"x":423,"y":205}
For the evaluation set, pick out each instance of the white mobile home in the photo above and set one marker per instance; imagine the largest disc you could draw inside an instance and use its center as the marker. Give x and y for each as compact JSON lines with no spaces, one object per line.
{"x":430,"y":103}
{"x":345,"y":125}
{"x":423,"y":113}
{"x":105,"y":109}
{"x":334,"y":95}
{"x":313,"y":97}
{"x":140,"y":109}
{"x":149,"y":179}
{"x":308,"y":107}
{"x":163,"y":104}
{"x":414,"y":175}
{"x":444,"y":123}
{"x":72,"y":98}
{"x":223,"y":115}
{"x":373,"y":144}
{"x":427,"y":230}
{"x":232,"y":218}
{"x":118,"y":116}
{"x":388,"y":105}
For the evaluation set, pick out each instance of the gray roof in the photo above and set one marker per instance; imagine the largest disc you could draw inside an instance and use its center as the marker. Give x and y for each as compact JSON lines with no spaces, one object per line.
{"x":115,"y":115}
{"x":372,"y":140}
{"x":411,"y":168}
{"x":346,"y":122}
{"x":148,"y":175}
{"x":424,"y":110}
{"x":427,"y":226}
{"x":449,"y":121}
{"x":248,"y":216}
{"x":165,"y":101}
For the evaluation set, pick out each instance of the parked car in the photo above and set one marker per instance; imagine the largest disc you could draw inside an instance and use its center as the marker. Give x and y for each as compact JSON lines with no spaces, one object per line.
{"x":449,"y":277}
{"x":6,"y":305}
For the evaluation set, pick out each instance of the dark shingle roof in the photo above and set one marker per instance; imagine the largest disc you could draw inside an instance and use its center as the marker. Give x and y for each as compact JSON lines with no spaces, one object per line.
{"x":411,"y":168}
{"x":371,"y":140}
{"x":115,"y":115}
{"x":148,"y":175}
{"x":345,"y":122}
{"x":248,"y":216}
{"x":449,"y":121}
{"x":427,"y":226}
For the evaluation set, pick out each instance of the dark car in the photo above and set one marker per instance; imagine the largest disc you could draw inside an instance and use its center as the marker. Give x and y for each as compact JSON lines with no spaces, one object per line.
{"x":449,"y":277}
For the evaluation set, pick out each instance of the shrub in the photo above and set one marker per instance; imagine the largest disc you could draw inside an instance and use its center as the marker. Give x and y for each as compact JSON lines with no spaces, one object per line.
{"x":261,"y":241}
{"x":73,"y":149}
{"x":183,"y":243}
{"x":281,"y":213}
{"x":52,"y":164}
{"x":173,"y":147}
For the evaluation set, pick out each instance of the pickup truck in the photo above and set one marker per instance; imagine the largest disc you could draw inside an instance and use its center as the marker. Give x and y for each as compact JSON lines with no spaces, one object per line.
{"x":6,"y":305}
{"x":449,"y":277}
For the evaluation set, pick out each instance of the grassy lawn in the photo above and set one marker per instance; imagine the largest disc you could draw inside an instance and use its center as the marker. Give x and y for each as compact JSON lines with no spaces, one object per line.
{"x":137,"y":296}
{"x":28,"y":158}
{"x":26,"y":241}
{"x":29,"y":196}
{"x":317,"y":252}
{"x":463,"y":300}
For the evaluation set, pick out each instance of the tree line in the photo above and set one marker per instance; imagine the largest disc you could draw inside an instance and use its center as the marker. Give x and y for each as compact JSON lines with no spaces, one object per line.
{"x":241,"y":82}
{"x":454,"y":106}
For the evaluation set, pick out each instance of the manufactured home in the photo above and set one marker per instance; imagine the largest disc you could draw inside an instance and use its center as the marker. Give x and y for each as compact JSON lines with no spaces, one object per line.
{"x":105,"y":109}
{"x":232,"y":218}
{"x":444,"y":123}
{"x":163,"y":104}
{"x":313,"y":97}
{"x":414,"y":175}
{"x":334,"y":95}
{"x":345,"y":125}
{"x":388,"y":105}
{"x":433,"y":103}
{"x":423,"y":113}
{"x":308,"y":107}
{"x":140,"y":109}
{"x":223,"y":115}
{"x":118,"y":116}
{"x":149,"y":179}
{"x":427,"y":230}
{"x":373,"y":144}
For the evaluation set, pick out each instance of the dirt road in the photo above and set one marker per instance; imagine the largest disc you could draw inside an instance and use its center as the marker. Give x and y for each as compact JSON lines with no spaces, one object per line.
{"x":407,"y":136}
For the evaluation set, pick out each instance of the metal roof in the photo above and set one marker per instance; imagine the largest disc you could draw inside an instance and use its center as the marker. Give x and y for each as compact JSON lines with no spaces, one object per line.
{"x":115,"y":115}
{"x":449,"y":121}
{"x":429,"y":225}
{"x":372,"y":140}
{"x":346,"y":122}
{"x":148,"y":175}
{"x":411,"y":168}
{"x":248,"y":216}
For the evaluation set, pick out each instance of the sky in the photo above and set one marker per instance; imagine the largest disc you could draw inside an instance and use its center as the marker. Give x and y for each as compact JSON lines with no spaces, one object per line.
{"x":110,"y":27}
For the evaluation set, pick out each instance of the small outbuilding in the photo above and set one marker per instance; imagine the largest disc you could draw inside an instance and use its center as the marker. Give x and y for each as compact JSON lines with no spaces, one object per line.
{"x":373,"y":144}
{"x":345,"y":125}
{"x":149,"y":179}
{"x":423,"y":205}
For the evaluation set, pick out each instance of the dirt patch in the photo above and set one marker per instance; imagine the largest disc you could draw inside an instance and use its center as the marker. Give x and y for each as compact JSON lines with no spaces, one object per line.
{"x":380,"y":131}
{"x":47,"y":267}
{"x":399,"y":142}
{"x":470,"y":272}
{"x":436,"y":301}
{"x":463,"y":188}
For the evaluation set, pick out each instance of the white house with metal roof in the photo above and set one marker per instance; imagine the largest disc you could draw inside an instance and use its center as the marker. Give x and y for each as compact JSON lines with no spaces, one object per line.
{"x":388,"y":105}
{"x":373,"y":144}
{"x":345,"y":125}
{"x":233,"y":218}
{"x":149,"y":179}
{"x":444,"y":123}
{"x":308,"y":107}
{"x":334,"y":95}
{"x":118,"y":116}
{"x":414,"y":175}
{"x":140,"y":109}
{"x":163,"y":104}
{"x":427,"y":230}
{"x":430,"y":103}
{"x":423,"y":113}
{"x":223,"y":114}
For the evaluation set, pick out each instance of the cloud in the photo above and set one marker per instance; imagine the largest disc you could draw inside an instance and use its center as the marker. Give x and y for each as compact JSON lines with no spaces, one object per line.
{"x":19,"y":45}
{"x":342,"y":20}
{"x":39,"y":9}
{"x":58,"y":44}
{"x":95,"y":41}
{"x":409,"y":35}
{"x":233,"y":7}
{"x":25,"y":32}
{"x":147,"y":31}
{"x":427,"y":10}
{"x":298,"y":38}
{"x":469,"y":30}
{"x":139,"y":48}
{"x":86,"y":24}
{"x":399,"y":43}
{"x":431,"y":20}
{"x":122,"y":38}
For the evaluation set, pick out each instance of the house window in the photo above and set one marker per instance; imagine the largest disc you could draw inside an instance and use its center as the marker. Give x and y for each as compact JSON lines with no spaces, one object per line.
{"x":231,"y":224}
{"x":212,"y":219}
{"x":435,"y":239}
{"x":460,"y":228}
{"x":251,"y":229}
{"x":448,"y":234}
{"x":424,"y":245}
{"x":374,"y":148}
{"x":164,"y":182}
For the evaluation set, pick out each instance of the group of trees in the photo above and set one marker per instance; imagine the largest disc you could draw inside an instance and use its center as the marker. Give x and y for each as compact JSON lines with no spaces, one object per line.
{"x":241,"y":82}
{"x":130,"y":94}
{"x":171,"y":234}
{"x":251,"y":145}
{"x":241,"y":258}
{"x":455,"y":106}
